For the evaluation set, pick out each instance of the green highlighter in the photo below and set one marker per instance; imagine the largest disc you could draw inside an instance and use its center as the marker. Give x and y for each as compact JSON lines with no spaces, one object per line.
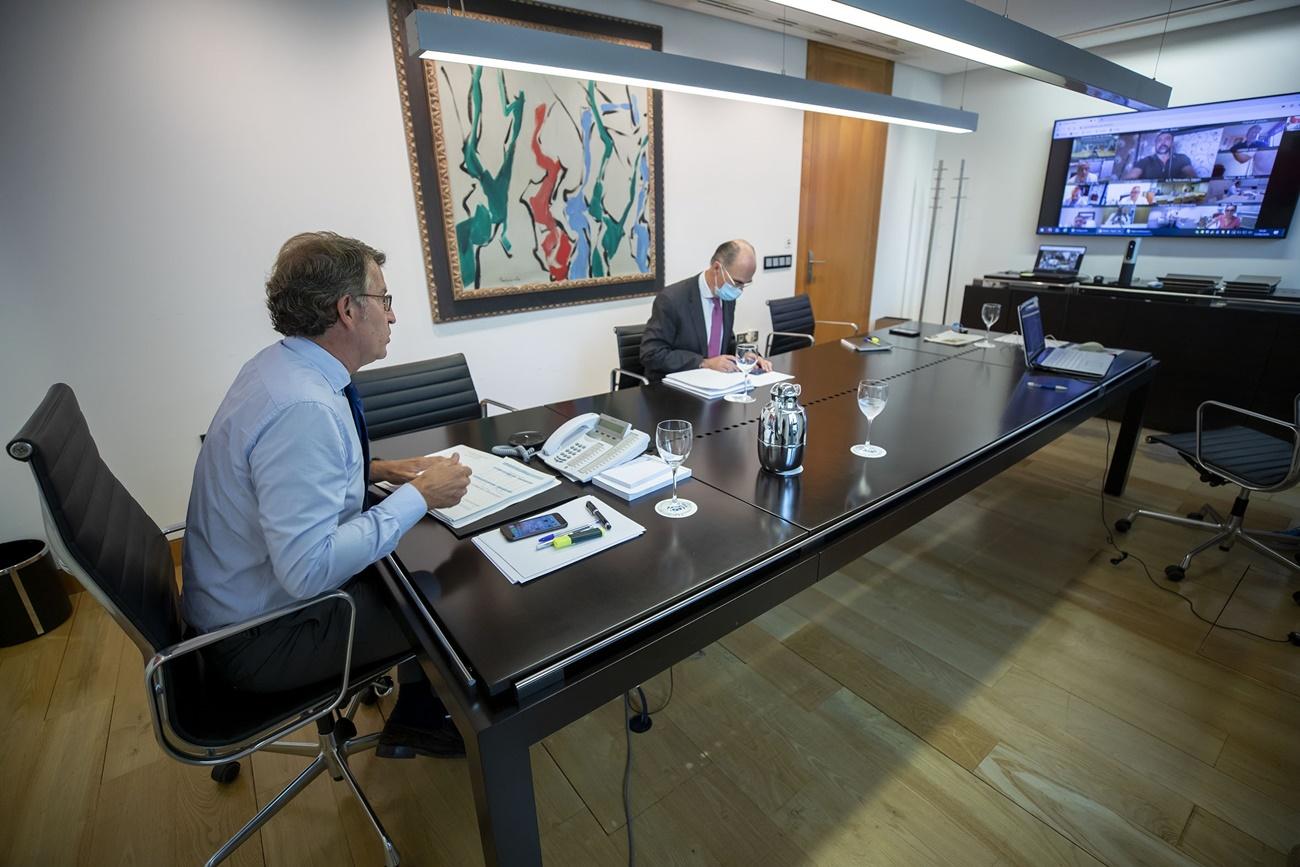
{"x":578,"y":536}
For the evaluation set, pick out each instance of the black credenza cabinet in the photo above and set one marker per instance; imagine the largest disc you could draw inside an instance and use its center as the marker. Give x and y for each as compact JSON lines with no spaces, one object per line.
{"x":1246,"y":356}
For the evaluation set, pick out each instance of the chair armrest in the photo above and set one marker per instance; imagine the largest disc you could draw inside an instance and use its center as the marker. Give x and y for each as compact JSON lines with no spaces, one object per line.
{"x":198,"y":642}
{"x":852,"y":325}
{"x":767,"y":350}
{"x":1292,"y":473}
{"x":485,"y":402}
{"x":616,"y":372}
{"x":153,"y":668}
{"x":173,"y":529}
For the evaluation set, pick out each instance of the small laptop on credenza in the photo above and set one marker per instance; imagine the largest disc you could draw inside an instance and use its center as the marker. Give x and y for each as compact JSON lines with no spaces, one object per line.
{"x":1062,"y":360}
{"x":1057,"y":264}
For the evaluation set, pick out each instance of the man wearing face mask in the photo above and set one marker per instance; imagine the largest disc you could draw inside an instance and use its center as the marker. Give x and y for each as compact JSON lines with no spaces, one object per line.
{"x":691,"y":322}
{"x":1164,"y":164}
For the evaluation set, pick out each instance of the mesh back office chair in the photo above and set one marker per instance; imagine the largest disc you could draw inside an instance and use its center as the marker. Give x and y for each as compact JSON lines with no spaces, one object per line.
{"x":1245,"y":456}
{"x":423,"y":394}
{"x":100,"y":534}
{"x":793,"y":324}
{"x":630,"y":372}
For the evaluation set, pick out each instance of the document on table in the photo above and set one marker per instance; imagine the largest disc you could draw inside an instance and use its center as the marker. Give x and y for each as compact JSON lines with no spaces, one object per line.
{"x":524,"y":560}
{"x":1017,"y":340}
{"x":494,"y":484}
{"x":952,"y":338}
{"x":710,"y":384}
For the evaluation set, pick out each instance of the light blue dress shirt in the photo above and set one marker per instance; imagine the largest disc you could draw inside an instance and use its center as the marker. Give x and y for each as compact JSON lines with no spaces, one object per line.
{"x":275,"y":512}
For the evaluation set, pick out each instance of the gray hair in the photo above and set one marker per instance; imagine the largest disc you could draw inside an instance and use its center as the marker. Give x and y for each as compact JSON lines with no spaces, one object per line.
{"x":312,"y":271}
{"x":728,"y":251}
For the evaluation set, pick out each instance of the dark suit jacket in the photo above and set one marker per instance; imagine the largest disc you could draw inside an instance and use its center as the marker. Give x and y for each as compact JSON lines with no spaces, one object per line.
{"x":675,"y":337}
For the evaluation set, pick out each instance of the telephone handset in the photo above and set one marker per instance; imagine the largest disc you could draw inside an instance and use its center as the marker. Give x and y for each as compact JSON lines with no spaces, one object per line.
{"x":586,"y":445}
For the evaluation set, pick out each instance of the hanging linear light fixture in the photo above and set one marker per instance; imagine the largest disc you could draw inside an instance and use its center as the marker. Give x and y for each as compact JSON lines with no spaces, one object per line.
{"x":970,"y":31}
{"x":459,"y":39}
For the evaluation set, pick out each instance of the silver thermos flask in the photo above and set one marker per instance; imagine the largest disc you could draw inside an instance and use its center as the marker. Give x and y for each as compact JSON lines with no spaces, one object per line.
{"x":782,"y":431}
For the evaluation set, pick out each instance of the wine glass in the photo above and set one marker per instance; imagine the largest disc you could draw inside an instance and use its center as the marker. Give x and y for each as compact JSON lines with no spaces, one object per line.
{"x":746,"y":358}
{"x":990,"y":313}
{"x":872,"y":394}
{"x":674,"y":439}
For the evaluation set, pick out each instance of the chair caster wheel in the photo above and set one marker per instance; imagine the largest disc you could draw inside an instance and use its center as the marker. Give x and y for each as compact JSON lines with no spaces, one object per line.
{"x":1195,"y":516}
{"x":1296,"y":597}
{"x":1225,"y":547}
{"x":225,"y":773}
{"x":344,"y":729}
{"x":1294,"y":638}
{"x":1175,"y":573}
{"x":1123,"y":525}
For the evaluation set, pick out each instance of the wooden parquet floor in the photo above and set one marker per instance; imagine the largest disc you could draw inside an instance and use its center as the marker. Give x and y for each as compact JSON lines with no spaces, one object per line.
{"x":985,"y":689}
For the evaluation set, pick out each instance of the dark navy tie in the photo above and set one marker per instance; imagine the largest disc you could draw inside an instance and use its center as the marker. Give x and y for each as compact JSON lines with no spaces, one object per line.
{"x":359,"y":419}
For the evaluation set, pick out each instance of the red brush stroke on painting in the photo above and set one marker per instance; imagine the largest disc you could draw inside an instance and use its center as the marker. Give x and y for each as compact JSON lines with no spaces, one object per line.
{"x":556,"y":246}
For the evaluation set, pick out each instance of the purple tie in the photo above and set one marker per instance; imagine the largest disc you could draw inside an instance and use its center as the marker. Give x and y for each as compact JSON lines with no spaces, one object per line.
{"x":715,"y":333}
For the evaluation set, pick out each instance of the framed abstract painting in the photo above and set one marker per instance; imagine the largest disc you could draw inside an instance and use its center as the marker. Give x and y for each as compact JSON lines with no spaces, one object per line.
{"x":532,"y":190}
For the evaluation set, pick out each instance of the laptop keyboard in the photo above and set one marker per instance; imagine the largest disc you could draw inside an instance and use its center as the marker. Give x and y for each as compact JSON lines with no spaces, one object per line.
{"x":1096,"y":363}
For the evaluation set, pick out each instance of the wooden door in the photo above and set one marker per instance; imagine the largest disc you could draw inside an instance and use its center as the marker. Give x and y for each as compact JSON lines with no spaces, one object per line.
{"x":839,"y":204}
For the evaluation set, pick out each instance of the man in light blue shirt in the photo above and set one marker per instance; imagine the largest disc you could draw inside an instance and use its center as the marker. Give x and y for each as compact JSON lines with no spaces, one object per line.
{"x":277,"y":511}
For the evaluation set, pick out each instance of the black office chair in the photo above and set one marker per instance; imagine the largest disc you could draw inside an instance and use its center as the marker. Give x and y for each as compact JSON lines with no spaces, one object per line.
{"x":630,"y":372}
{"x":1246,"y":456}
{"x":100,"y":534}
{"x":793,"y":324}
{"x":423,"y":394}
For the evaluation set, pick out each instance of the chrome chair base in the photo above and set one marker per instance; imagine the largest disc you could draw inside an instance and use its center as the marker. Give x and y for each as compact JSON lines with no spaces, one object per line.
{"x":336,"y":740}
{"x":1226,"y":534}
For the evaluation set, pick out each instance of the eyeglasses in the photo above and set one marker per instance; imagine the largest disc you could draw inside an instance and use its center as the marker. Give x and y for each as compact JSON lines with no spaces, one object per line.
{"x":739,"y":284}
{"x":387,"y":300}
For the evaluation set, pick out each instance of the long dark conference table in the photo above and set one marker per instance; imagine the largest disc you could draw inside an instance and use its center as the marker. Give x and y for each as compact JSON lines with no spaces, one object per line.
{"x":515,"y":663}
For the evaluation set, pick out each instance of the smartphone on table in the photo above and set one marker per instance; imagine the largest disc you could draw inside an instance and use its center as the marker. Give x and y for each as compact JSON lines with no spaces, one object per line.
{"x":516,"y":530}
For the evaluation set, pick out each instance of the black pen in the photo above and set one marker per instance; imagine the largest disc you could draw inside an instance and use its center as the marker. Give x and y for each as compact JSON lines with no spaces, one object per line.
{"x":1047,"y":386}
{"x":595,"y":513}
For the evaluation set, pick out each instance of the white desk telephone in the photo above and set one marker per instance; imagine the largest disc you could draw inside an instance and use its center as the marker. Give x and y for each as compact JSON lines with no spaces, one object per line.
{"x":586,"y":445}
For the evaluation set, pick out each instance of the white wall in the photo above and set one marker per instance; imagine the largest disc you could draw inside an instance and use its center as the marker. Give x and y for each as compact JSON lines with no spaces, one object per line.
{"x":156,"y":155}
{"x":1007,"y":157}
{"x":905,"y":203}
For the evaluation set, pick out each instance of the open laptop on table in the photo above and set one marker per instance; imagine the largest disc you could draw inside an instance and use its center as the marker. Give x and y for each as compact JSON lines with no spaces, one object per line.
{"x":1057,"y":264}
{"x":1063,"y":360}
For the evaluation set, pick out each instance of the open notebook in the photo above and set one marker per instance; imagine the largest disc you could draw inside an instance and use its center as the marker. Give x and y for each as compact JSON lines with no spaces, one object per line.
{"x":494,"y":484}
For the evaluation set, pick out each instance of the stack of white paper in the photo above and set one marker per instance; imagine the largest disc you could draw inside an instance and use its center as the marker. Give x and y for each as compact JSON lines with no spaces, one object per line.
{"x":639,"y":477}
{"x":711,"y":384}
{"x":494,"y":484}
{"x":1017,"y":340}
{"x":522,"y":561}
{"x":952,"y":338}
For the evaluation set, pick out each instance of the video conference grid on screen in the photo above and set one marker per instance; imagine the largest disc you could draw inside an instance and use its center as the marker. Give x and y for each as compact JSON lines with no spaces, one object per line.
{"x":1227,"y":169}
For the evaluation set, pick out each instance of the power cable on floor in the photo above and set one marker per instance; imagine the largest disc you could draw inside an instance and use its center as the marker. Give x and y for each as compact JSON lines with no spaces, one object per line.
{"x":1125,"y":555}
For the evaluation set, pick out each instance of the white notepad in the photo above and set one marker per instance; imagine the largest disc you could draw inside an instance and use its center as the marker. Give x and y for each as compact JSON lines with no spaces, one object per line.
{"x":522,"y":561}
{"x":638,"y":477}
{"x":494,"y":484}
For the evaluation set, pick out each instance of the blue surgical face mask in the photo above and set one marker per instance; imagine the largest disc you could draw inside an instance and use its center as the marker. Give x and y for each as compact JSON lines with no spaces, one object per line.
{"x":728,"y":291}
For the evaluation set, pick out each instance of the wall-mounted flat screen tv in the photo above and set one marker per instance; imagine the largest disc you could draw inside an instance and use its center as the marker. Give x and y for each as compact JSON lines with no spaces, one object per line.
{"x":1219,"y":170}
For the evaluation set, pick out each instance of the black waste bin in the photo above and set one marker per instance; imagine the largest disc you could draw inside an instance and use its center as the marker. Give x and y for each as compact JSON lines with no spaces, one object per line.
{"x":32,"y":598}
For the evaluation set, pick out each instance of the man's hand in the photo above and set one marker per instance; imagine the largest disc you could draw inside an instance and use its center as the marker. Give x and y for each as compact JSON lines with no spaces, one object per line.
{"x":401,"y":471}
{"x":721,"y":363}
{"x":762,"y":363}
{"x":443,"y":482}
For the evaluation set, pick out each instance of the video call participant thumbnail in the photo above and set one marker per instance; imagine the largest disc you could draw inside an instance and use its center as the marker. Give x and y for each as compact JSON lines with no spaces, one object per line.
{"x":1164,"y":163}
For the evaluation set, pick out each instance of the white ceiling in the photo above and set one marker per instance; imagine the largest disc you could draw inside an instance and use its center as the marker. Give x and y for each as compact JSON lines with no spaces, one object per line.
{"x":1085,"y":23}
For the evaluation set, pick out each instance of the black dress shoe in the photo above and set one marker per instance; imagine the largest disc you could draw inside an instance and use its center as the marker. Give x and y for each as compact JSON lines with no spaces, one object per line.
{"x":401,"y":741}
